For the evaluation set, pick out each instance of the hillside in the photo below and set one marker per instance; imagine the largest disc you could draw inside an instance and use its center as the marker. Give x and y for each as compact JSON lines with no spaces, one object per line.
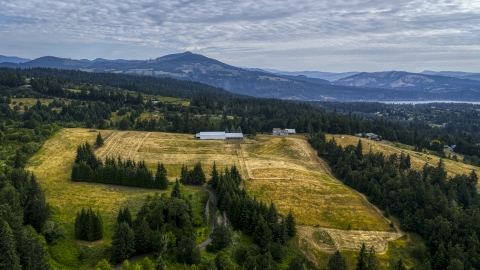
{"x":440,"y":86}
{"x":12,"y":59}
{"x":257,"y":83}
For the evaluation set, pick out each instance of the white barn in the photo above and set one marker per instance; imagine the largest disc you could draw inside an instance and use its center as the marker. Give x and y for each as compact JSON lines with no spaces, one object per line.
{"x":290,"y":130}
{"x":218,"y":135}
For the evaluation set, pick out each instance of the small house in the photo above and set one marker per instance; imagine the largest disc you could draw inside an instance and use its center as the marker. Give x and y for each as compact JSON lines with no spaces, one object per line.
{"x":290,"y":130}
{"x":282,"y":132}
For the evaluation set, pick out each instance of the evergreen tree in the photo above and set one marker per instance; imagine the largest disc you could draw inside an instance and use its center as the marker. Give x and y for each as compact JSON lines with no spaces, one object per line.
{"x":359,"y":150}
{"x":262,"y":236}
{"x":187,"y":252}
{"x":337,"y":262}
{"x":221,"y":238}
{"x":124,"y":215}
{"x":123,"y":243}
{"x":143,"y":235}
{"x":18,"y":160}
{"x":362,"y":259}
{"x":214,"y":177}
{"x":99,"y":140}
{"x":161,"y":180}
{"x":176,"y":191}
{"x":272,"y":216}
{"x":184,"y":175}
{"x":33,"y":250}
{"x":198,"y":176}
{"x":290,"y":220}
{"x":372,"y":261}
{"x":9,"y":259}
{"x":36,"y":211}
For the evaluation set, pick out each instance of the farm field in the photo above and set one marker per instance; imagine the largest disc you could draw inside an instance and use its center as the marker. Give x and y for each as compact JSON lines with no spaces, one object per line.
{"x":283,"y":170}
{"x":418,"y":160}
{"x":52,"y":165}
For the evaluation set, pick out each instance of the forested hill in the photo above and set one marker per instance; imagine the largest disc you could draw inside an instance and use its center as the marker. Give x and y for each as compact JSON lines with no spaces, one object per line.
{"x":258,"y":83}
{"x":251,"y":114}
{"x":144,"y":84}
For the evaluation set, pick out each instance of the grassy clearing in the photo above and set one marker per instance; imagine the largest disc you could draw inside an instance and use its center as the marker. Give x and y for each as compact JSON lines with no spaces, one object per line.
{"x":283,"y":170}
{"x":418,"y":160}
{"x":52,"y":166}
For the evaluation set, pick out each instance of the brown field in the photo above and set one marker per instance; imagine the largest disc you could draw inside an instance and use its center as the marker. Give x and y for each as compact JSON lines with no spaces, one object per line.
{"x":418,"y":160}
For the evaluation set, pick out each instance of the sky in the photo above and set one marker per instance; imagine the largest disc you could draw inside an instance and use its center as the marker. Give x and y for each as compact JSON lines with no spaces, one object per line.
{"x":293,"y":35}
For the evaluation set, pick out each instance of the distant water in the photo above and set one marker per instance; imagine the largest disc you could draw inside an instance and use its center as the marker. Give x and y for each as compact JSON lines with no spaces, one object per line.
{"x":428,"y":101}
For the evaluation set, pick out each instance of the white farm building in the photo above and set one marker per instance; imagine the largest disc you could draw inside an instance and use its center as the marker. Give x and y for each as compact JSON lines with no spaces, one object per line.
{"x":218,"y":135}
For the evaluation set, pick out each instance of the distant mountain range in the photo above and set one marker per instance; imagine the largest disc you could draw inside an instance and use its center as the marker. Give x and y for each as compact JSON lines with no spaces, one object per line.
{"x":455,"y":74}
{"x":329,"y":76}
{"x":12,"y":59}
{"x":306,"y":85}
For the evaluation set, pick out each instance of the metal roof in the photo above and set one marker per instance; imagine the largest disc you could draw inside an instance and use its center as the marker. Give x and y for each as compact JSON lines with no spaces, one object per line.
{"x":212,"y":133}
{"x":234,"y":135}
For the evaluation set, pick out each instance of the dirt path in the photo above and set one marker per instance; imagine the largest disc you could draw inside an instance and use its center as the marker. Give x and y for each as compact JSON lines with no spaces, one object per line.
{"x":348,"y":239}
{"x":201,"y":245}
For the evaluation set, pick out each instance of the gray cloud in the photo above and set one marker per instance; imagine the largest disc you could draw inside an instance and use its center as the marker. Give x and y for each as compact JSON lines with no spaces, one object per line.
{"x":308,"y":34}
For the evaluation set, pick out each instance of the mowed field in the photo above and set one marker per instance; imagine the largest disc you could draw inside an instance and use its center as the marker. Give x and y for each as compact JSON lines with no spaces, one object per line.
{"x":282,"y":170}
{"x":52,"y":165}
{"x":418,"y":160}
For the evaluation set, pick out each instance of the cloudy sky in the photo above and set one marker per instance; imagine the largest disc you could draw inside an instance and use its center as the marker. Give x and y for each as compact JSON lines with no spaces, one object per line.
{"x":333,"y":35}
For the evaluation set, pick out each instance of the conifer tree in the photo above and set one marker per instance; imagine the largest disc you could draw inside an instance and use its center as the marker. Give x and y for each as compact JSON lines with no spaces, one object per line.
{"x":337,"y":262}
{"x":372,"y":261}
{"x":9,"y":259}
{"x":362,"y":259}
{"x":161,"y":180}
{"x":123,"y":243}
{"x":359,"y":150}
{"x":99,"y":140}
{"x":272,"y":216}
{"x":37,"y":210}
{"x":176,"y":191}
{"x":184,"y":175}
{"x":214,"y":177}
{"x":143,"y":237}
{"x":198,"y":175}
{"x":33,"y":251}
{"x":262,"y":236}
{"x":290,"y":220}
{"x":124,"y":215}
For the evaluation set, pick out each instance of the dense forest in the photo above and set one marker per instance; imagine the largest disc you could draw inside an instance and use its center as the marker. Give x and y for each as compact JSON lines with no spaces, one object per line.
{"x":444,"y":210}
{"x":441,"y":209}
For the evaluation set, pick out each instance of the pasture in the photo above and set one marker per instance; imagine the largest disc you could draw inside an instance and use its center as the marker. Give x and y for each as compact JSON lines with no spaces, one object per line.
{"x":418,"y":159}
{"x":52,"y":165}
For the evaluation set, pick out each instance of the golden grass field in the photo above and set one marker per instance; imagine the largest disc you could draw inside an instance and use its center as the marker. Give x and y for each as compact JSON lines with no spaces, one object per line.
{"x":418,"y":160}
{"x":52,"y":165}
{"x":285,"y":170}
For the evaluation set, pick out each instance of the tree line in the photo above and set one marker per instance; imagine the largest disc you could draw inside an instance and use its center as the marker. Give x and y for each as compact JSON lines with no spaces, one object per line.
{"x":24,"y":225}
{"x":443,"y":209}
{"x":89,"y":168}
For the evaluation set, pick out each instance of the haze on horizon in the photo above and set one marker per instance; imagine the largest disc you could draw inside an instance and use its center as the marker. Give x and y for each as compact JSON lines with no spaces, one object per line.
{"x":363,"y":35}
